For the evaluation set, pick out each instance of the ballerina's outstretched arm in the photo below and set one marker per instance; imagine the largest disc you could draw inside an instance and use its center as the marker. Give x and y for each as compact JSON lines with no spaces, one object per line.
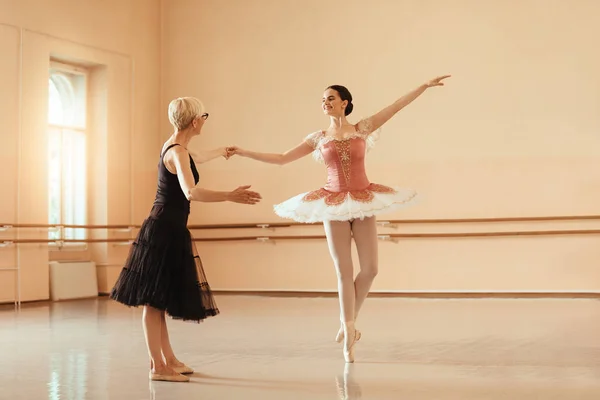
{"x":293,"y":154}
{"x":383,"y":116}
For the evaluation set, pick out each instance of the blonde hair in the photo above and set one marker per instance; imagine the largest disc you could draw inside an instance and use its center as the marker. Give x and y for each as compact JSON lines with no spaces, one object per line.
{"x":183,"y":110}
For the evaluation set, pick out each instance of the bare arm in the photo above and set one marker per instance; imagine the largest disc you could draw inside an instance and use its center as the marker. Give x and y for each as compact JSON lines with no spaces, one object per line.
{"x":185,"y":176}
{"x":303,"y":149}
{"x":207,"y":195}
{"x":180,"y":159}
{"x":206,"y":156}
{"x":387,"y":113}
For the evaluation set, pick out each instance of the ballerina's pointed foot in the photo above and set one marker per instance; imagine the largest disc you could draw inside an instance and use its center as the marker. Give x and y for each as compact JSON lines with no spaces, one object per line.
{"x":351,"y":336}
{"x":340,"y":335}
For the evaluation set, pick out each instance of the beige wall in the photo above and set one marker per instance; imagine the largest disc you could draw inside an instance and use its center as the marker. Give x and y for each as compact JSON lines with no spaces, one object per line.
{"x":514,"y":133}
{"x":119,"y":42}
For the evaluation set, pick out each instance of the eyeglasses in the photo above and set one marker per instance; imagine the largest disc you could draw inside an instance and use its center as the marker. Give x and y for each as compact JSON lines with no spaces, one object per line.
{"x":204,"y":116}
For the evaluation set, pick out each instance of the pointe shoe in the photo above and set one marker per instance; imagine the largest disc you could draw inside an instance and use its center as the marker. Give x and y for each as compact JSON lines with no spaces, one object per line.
{"x":182,"y":369}
{"x":349,"y":343}
{"x":340,"y":335}
{"x":168,"y":378}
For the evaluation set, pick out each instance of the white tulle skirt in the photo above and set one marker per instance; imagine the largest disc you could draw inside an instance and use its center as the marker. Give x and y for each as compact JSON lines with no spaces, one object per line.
{"x":322,"y":205}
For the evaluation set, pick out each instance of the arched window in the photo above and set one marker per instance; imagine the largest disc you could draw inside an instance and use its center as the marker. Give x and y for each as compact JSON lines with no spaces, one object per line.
{"x":67,"y":151}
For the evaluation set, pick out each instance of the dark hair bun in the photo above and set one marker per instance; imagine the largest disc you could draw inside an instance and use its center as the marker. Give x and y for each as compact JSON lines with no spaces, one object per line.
{"x":349,"y":108}
{"x":345,"y":95}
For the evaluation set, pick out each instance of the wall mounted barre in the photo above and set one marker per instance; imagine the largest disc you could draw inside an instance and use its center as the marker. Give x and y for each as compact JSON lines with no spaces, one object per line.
{"x":246,"y":226}
{"x":385,"y":223}
{"x":394,"y":222}
{"x":392,"y":236}
{"x":61,"y":241}
{"x":4,"y":226}
{"x":385,"y":237}
{"x":264,"y":239}
{"x":123,"y":243}
{"x":555,"y":218}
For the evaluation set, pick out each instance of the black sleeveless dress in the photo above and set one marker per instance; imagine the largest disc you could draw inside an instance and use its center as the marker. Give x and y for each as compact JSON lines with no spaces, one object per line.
{"x":163,"y":269}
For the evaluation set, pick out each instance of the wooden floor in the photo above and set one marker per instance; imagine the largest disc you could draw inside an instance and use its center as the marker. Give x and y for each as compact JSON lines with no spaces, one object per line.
{"x":283,"y":348}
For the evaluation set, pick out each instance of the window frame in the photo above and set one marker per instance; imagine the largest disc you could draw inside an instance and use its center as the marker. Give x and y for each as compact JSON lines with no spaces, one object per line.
{"x":56,"y":68}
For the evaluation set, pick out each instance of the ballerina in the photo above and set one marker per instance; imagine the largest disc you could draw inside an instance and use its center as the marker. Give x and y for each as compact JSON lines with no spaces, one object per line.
{"x":348,"y":203}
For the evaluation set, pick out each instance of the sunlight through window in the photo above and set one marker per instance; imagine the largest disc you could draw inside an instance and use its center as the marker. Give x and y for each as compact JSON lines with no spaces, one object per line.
{"x":67,"y":151}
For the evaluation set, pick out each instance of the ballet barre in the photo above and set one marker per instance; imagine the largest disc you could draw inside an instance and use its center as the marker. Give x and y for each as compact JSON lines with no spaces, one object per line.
{"x":128,"y":229}
{"x":264,"y":239}
{"x":123,"y":243}
{"x":7,"y":226}
{"x":392,"y":237}
{"x":394,"y":223}
{"x":384,"y":223}
{"x":9,"y":242}
{"x":383,"y":237}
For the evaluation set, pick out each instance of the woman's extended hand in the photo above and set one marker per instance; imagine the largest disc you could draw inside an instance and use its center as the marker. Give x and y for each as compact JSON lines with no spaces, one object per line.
{"x":244,"y":196}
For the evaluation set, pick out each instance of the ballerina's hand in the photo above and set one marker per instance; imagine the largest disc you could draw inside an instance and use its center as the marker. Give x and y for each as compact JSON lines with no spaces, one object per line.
{"x":224,"y":152}
{"x":437,"y":81}
{"x":233,"y":150}
{"x":244,"y":196}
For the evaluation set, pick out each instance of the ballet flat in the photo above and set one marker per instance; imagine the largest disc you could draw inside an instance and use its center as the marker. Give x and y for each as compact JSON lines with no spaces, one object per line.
{"x":169,"y":378}
{"x":183,"y":369}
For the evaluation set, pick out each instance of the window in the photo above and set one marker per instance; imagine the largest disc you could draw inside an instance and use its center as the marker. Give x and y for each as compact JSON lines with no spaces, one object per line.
{"x":67,"y":150}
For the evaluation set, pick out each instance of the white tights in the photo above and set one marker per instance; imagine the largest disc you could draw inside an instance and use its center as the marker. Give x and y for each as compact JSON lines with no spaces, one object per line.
{"x":353,"y":292}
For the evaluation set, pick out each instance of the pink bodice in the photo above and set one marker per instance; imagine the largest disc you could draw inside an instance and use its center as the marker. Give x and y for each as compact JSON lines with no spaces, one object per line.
{"x":345,"y":161}
{"x":348,"y":195}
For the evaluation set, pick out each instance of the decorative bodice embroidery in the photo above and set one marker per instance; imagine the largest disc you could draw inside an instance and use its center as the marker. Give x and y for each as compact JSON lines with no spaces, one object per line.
{"x":363,"y":131}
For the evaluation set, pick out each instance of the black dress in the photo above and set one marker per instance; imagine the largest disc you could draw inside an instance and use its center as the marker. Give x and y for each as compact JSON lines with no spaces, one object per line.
{"x":163,"y":269}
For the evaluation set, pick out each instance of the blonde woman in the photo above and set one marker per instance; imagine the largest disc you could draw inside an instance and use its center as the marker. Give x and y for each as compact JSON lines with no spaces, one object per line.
{"x":163,"y":272}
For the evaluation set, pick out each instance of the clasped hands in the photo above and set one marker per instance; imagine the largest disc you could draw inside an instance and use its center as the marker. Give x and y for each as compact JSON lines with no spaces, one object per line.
{"x":241,"y":194}
{"x":230,"y":151}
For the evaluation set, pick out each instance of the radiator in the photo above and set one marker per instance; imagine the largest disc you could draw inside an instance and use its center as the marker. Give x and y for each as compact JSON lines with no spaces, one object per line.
{"x":73,"y":280}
